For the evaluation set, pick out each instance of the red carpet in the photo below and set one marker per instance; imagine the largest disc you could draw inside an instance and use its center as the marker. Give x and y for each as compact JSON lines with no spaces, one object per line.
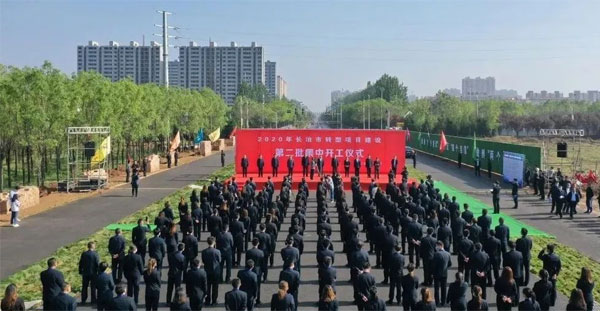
{"x":312,"y":184}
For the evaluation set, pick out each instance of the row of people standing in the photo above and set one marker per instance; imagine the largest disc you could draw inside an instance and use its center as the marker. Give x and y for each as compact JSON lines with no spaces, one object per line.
{"x":316,"y":165}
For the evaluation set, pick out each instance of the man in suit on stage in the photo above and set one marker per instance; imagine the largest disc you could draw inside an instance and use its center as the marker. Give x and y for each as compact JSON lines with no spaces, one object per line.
{"x":290,"y":166}
{"x":275,"y":165}
{"x":368,"y":165}
{"x":395,"y":165}
{"x":260,"y":163}
{"x":245,"y":164}
{"x":334,"y":165}
{"x":356,"y":167}
{"x":305,"y":165}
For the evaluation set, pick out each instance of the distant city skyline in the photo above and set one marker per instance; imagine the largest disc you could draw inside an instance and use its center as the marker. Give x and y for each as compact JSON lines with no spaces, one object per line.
{"x":321,"y":46}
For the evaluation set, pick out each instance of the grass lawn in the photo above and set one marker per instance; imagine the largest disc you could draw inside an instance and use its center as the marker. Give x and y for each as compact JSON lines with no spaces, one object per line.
{"x":28,"y":280}
{"x":589,"y":153}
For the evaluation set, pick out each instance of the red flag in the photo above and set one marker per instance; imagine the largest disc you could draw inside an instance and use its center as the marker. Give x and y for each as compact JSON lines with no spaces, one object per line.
{"x":407,"y":134}
{"x":443,"y":142}
{"x":233,"y":132}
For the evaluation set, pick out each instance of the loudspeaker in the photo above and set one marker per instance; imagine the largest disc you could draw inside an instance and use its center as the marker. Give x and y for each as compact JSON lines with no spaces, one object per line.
{"x":561,"y":150}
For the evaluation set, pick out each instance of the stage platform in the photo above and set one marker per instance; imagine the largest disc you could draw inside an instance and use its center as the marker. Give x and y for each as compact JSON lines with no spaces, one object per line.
{"x":312,"y":184}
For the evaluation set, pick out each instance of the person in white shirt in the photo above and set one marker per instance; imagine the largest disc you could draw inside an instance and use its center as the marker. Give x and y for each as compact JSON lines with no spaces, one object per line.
{"x":14,"y":210}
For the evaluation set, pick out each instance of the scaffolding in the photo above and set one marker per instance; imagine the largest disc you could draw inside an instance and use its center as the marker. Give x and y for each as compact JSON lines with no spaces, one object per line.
{"x":81,"y":176}
{"x":563,"y":134}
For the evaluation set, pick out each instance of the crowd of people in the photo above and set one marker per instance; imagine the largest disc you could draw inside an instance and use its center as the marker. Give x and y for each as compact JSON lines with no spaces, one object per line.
{"x":407,"y":226}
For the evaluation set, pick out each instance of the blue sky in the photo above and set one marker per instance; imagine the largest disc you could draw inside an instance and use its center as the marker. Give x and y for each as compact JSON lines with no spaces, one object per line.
{"x":321,"y":46}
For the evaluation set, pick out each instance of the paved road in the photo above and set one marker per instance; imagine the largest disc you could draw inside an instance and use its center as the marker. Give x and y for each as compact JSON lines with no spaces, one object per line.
{"x":581,"y":232}
{"x":40,"y":235}
{"x":308,"y":295}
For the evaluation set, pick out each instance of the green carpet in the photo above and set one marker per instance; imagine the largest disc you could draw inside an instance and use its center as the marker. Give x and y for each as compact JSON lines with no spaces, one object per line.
{"x":125,"y":227}
{"x":477,"y":206}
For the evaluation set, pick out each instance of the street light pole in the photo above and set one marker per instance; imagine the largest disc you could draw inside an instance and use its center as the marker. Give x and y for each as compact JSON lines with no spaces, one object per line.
{"x":369,"y":111}
{"x":263,"y":110}
{"x":341,"y":116}
{"x":247,"y":114}
{"x":241,"y":113}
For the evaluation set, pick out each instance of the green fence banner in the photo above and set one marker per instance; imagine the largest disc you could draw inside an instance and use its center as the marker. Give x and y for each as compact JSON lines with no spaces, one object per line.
{"x":488,"y":151}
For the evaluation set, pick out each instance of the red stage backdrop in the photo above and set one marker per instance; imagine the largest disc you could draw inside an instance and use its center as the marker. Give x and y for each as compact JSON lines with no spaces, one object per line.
{"x":328,"y":143}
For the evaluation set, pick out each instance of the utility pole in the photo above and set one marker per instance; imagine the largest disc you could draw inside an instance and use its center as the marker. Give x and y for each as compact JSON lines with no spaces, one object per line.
{"x":165,"y":54}
{"x":369,"y":109}
{"x":241,"y":113}
{"x":381,"y":116}
{"x":247,"y":114}
{"x":263,"y":110}
{"x":364,"y":116}
{"x":341,"y":116}
{"x":388,"y":118}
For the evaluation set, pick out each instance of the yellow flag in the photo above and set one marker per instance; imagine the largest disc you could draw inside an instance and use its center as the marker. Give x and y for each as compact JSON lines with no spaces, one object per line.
{"x":175,"y":142}
{"x":215,"y":135}
{"x":102,"y":152}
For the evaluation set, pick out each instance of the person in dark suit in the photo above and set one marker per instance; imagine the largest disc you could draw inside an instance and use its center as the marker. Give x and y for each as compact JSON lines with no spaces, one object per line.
{"x":176,"y":269}
{"x":410,"y":283}
{"x":368,"y":165}
{"x":11,"y":300}
{"x":515,"y":192}
{"x":524,"y":245}
{"x":244,"y":164}
{"x":260,"y":164}
{"x":514,"y":260}
{"x":238,"y":233}
{"x":477,"y":165}
{"x":496,"y":197}
{"x":414,"y":234}
{"x":181,"y":302}
{"x":363,"y":286}
{"x":290,"y":166}
{"x":327,"y":275}
{"x":485,"y":223}
{"x":305,"y":164}
{"x":196,"y":285}
{"x":260,"y":265}
{"x":275,"y":165}
{"x":222,"y":158}
{"x":211,"y":257}
{"x":440,"y":262}
{"x":529,"y":303}
{"x":477,"y":303}
{"x":88,"y":269}
{"x":138,"y":237}
{"x":282,"y":300}
{"x":356,"y":167}
{"x":395,"y":165}
{"x":152,"y":283}
{"x":396,"y":269}
{"x":426,"y":303}
{"x":249,"y":281}
{"x":191,"y":248}
{"x":292,"y":277}
{"x":327,"y":301}
{"x":157,"y":248}
{"x":377,"y":166}
{"x":480,"y":268}
{"x":506,"y":290}
{"x":586,"y":285}
{"x":290,"y":253}
{"x":457,"y":293}
{"x":52,"y":283}
{"x":236,"y":299}
{"x":427,"y":248}
{"x":334,"y":165}
{"x":346,"y":167}
{"x":543,"y":290}
{"x":121,"y":302}
{"x":104,"y":286}
{"x":552,"y":264}
{"x":321,"y":165}
{"x":503,"y":234}
{"x":493,"y":248}
{"x":64,"y":301}
{"x":225,"y":246}
{"x":135,"y":184}
{"x":116,"y":248}
{"x":465,"y":249}
{"x":133,"y":267}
